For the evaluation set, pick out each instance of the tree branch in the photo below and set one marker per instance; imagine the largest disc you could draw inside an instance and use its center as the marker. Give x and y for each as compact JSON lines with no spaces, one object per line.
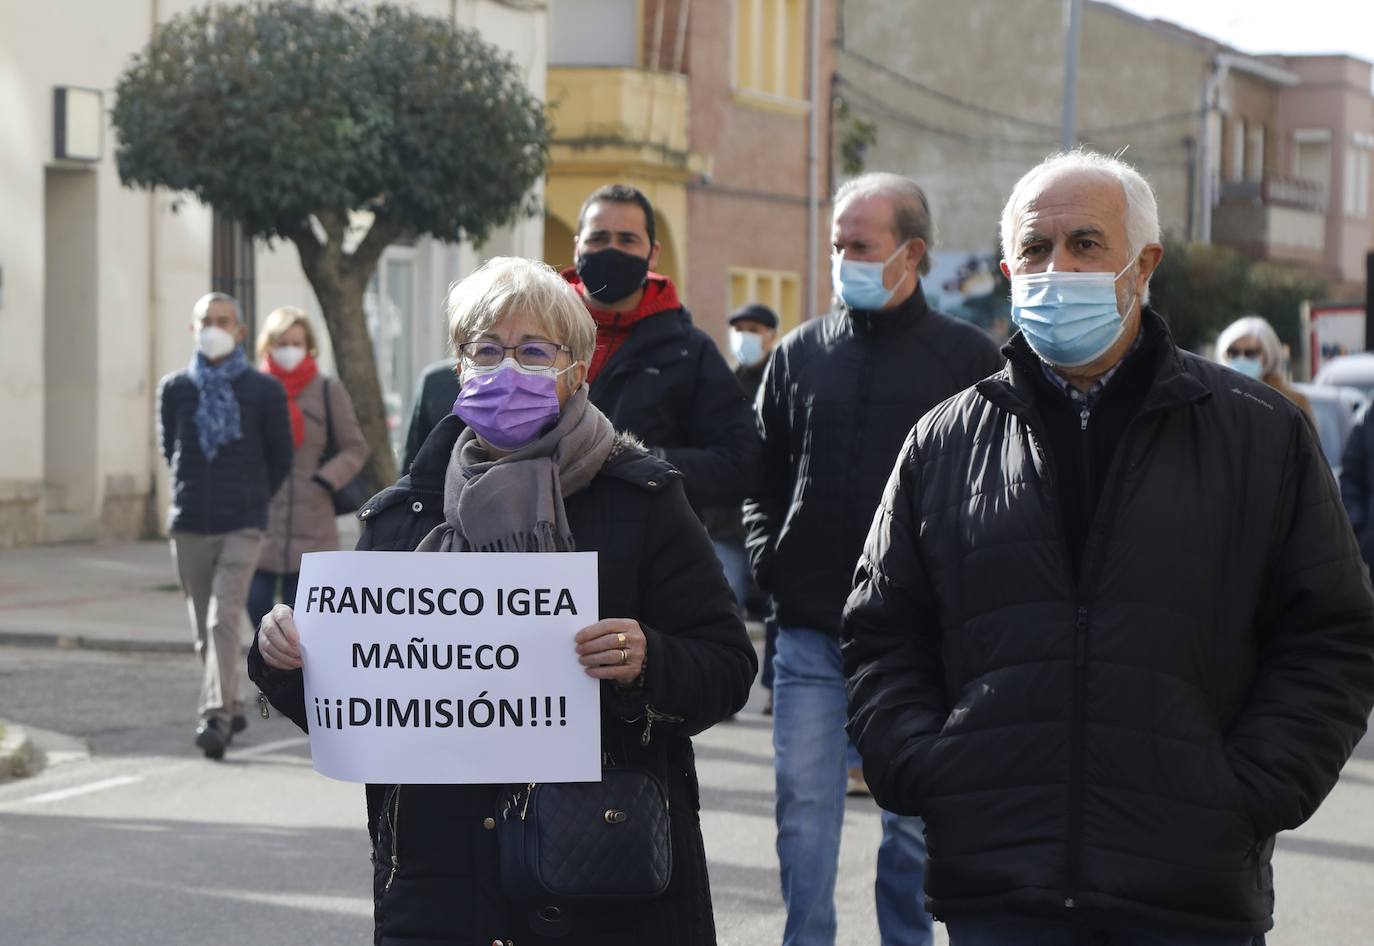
{"x":380,"y":235}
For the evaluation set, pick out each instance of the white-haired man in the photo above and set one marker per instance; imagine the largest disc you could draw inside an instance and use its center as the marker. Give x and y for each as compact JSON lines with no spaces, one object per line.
{"x":837,"y":398}
{"x":1111,"y":631}
{"x":226,"y":433}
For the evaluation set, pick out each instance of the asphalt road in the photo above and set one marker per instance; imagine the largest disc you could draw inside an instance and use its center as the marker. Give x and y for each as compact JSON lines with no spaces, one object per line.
{"x":147,"y":842}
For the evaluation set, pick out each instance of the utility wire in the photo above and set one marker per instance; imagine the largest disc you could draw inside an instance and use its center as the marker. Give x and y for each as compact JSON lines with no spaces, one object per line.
{"x":1003,"y":116}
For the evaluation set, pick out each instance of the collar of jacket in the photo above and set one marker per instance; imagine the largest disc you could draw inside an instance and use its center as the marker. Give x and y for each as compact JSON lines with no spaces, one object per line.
{"x":1016,"y":387}
{"x":879,"y":322}
{"x":650,"y":332}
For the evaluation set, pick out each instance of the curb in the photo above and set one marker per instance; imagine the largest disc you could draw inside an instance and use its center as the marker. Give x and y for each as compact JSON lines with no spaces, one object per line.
{"x":17,"y":756}
{"x":121,"y":645}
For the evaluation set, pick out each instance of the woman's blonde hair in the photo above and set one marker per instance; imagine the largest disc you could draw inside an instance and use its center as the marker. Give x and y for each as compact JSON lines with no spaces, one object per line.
{"x":1256,"y":327}
{"x":507,"y":284}
{"x":277,"y":324}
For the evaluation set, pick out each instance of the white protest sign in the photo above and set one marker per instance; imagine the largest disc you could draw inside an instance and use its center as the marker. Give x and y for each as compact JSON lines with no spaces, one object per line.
{"x":425,"y":668}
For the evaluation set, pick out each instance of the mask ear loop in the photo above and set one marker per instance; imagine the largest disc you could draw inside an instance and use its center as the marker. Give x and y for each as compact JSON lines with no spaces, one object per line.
{"x":1134,"y":259}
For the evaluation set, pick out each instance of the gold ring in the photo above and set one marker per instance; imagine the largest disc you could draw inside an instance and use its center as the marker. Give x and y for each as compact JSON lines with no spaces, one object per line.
{"x":624,"y":656}
{"x":620,"y":639}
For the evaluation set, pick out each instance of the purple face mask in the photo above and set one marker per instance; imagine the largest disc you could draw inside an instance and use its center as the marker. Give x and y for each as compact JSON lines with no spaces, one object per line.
{"x":508,"y":407}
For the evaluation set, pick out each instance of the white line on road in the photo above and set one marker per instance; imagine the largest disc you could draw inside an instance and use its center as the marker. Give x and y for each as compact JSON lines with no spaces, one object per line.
{"x":87,"y":789}
{"x":269,"y":747}
{"x":75,"y":791}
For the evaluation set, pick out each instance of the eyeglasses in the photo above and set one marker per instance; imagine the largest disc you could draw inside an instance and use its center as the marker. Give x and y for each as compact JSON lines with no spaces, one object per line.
{"x":485,"y":354}
{"x":1234,"y":352}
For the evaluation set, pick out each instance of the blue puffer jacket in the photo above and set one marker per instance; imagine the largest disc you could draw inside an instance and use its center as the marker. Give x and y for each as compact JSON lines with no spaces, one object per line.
{"x":232,"y":491}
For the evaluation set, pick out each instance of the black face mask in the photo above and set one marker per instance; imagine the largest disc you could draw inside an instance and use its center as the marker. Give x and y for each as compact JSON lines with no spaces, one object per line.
{"x":610,"y":275}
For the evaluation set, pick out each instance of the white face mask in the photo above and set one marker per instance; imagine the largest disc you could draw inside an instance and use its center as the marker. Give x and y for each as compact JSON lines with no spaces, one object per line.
{"x":288,"y":357}
{"x":214,"y":342}
{"x":747,"y":347}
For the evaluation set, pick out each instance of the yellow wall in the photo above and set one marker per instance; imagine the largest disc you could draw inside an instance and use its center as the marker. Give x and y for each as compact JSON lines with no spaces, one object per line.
{"x":563,"y":199}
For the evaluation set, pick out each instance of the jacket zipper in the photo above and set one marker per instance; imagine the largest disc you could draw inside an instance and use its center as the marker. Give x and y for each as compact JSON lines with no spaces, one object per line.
{"x":395,"y":837}
{"x":651,"y":716}
{"x":1102,"y":522}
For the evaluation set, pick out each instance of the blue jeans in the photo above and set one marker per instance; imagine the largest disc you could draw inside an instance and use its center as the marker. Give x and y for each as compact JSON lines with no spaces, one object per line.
{"x":1024,"y":931}
{"x":262,"y":594}
{"x":770,"y":650}
{"x":810,"y":754}
{"x":735,"y":563}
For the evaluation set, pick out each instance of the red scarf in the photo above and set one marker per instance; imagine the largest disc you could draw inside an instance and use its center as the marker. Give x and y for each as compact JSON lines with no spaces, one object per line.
{"x":294,"y":382}
{"x":612,"y":328}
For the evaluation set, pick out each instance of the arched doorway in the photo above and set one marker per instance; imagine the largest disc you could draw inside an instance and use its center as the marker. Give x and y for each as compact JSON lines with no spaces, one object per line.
{"x":558,"y":242}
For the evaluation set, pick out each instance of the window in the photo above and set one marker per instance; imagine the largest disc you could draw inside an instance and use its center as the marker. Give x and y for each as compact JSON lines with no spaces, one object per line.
{"x":1312,"y":158}
{"x":233,"y":268}
{"x":594,"y":33}
{"x":1357,"y":170}
{"x":1254,"y":153}
{"x":779,"y":291}
{"x":770,"y":47}
{"x":1235,"y":163}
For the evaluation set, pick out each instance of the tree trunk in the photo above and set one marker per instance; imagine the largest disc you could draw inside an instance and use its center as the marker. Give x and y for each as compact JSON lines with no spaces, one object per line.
{"x":339,"y":281}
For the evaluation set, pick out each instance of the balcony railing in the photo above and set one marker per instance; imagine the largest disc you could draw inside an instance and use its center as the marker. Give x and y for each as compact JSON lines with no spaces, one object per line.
{"x":1273,"y":190}
{"x":610,"y":107}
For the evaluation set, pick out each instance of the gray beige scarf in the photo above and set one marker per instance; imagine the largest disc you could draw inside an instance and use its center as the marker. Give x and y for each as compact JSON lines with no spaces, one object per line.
{"x":514,"y":503}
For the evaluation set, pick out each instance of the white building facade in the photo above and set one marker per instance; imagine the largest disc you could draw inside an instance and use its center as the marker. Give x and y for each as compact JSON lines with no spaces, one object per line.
{"x":97,"y":281}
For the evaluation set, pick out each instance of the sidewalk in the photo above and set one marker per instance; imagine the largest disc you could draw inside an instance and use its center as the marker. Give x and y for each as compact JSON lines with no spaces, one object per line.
{"x":106,"y":597}
{"x":101,"y":596}
{"x":110,"y":597}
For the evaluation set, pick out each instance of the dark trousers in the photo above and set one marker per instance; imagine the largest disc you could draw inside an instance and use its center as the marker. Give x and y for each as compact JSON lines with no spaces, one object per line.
{"x":262,"y":594}
{"x":1023,"y":931}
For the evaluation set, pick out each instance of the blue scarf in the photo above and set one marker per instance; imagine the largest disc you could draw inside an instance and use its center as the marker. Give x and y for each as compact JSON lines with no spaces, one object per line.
{"x":217,"y":414}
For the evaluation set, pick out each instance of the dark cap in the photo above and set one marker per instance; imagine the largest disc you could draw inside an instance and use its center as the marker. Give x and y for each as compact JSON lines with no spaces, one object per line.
{"x":755,"y":312}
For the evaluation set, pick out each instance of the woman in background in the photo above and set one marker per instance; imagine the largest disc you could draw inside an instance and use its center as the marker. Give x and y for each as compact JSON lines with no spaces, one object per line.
{"x":301,"y":516}
{"x":1251,"y":346}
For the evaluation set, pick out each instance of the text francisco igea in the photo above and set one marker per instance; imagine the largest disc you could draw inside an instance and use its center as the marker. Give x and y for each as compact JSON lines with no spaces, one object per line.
{"x":517,"y":602}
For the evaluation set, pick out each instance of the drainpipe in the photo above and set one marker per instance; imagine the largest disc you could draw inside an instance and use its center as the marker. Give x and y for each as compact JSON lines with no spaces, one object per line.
{"x":1210,"y":91}
{"x":813,"y":165}
{"x":152,"y":512}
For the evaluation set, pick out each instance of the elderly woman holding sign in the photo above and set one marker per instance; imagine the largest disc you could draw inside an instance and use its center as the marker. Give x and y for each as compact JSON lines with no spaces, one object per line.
{"x":528,"y":464}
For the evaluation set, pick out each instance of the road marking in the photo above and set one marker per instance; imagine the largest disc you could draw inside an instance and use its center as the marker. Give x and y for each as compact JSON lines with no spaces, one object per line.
{"x":269,"y":747}
{"x":65,"y":793}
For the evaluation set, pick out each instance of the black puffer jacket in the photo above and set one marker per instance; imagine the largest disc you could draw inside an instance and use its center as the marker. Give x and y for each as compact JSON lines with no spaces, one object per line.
{"x":669,"y":386}
{"x":1122,"y":747}
{"x":657,"y":566}
{"x":839,"y":395}
{"x":233,"y":491}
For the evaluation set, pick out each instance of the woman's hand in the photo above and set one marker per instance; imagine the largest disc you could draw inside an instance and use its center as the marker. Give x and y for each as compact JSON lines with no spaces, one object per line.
{"x":278,"y":641}
{"x":611,"y":649}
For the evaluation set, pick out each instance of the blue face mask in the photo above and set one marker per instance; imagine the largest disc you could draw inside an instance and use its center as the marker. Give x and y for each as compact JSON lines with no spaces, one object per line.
{"x":1250,"y":367}
{"x":859,"y":283}
{"x":1069,"y":319}
{"x":747,"y":347}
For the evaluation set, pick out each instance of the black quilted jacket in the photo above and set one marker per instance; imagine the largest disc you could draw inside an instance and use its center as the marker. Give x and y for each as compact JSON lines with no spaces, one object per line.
{"x":1123,"y":747}
{"x":435,"y":877}
{"x":839,"y":395}
{"x":232,"y":491}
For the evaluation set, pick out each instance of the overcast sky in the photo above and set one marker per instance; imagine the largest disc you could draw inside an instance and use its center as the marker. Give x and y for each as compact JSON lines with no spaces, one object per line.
{"x":1272,"y":26}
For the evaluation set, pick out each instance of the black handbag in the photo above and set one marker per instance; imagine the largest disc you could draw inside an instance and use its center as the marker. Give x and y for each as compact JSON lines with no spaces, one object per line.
{"x":570,"y":842}
{"x":350,"y":497}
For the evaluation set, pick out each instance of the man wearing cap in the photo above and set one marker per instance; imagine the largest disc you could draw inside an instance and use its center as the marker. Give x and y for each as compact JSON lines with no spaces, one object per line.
{"x":753,"y":333}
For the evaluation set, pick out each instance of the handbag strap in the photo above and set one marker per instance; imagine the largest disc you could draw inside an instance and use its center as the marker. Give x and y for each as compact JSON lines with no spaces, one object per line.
{"x":331,"y":446}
